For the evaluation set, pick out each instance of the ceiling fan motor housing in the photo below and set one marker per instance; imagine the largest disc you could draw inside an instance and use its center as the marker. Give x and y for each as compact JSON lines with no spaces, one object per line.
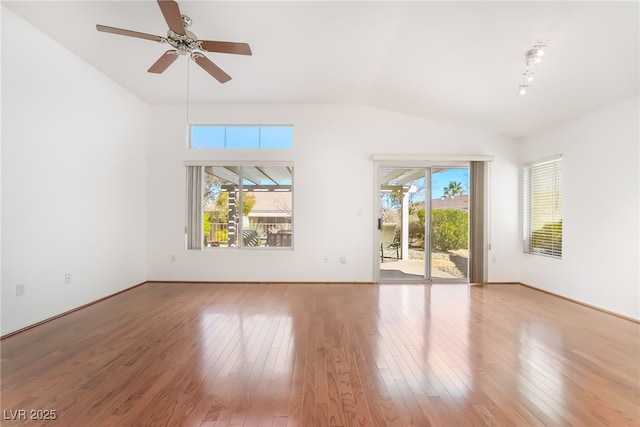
{"x":184,"y":44}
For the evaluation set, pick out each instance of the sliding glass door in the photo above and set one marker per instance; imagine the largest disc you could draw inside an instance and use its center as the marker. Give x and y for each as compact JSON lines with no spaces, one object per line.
{"x":449,"y":225}
{"x":401,"y":228}
{"x":423,"y":224}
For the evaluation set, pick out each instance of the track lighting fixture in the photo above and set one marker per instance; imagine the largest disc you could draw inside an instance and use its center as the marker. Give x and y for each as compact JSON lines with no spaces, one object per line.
{"x":532,"y":58}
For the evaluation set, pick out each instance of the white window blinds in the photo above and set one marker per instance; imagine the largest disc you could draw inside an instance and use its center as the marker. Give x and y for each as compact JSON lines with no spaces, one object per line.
{"x":194,"y":228}
{"x":542,"y":207}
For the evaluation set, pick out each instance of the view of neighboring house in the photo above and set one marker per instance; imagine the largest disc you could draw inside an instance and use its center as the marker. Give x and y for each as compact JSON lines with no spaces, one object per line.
{"x":271,"y":209}
{"x":270,"y":214}
{"x":460,"y":202}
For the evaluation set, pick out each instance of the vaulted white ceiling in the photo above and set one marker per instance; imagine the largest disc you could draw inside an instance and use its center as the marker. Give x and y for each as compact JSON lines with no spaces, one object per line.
{"x":456,"y":62}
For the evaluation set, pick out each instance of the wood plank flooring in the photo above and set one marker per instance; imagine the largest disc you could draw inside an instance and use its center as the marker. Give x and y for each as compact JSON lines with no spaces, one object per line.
{"x":178,"y":354}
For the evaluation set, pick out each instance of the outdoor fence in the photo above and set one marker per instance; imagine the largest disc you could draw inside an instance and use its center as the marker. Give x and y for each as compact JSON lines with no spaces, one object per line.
{"x":219,"y":233}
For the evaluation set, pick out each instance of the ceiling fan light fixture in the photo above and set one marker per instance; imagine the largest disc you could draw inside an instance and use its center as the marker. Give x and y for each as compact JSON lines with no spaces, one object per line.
{"x":186,"y":21}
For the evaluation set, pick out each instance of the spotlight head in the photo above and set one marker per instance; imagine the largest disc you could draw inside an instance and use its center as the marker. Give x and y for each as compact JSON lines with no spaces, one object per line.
{"x":532,"y":58}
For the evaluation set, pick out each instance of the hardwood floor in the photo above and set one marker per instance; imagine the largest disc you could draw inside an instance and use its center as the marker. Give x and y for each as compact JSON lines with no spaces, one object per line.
{"x":326,"y":355}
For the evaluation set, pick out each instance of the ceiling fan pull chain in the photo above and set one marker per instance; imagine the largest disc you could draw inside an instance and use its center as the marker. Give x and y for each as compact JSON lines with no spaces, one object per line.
{"x":188,"y":68}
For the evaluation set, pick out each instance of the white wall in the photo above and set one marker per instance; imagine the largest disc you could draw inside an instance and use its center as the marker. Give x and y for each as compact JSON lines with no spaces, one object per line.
{"x":74,"y":147}
{"x":334,"y":191}
{"x":600,"y":258}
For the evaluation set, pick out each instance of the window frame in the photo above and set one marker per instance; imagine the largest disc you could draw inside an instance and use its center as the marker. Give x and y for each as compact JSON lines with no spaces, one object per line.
{"x":239,"y":226}
{"x":225,"y":128}
{"x":543,"y":174}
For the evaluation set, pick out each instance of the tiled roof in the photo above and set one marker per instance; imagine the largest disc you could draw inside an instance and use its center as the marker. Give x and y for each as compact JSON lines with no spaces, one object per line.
{"x":455,"y":202}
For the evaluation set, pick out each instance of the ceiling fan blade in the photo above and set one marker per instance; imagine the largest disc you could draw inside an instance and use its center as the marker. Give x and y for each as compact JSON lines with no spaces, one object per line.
{"x":171,"y":12}
{"x":225,"y":47}
{"x":129,"y":33}
{"x":212,"y":68}
{"x":164,"y":61}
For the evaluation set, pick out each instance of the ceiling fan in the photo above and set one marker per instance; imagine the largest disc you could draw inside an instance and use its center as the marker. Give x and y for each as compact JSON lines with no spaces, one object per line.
{"x":184,"y":42}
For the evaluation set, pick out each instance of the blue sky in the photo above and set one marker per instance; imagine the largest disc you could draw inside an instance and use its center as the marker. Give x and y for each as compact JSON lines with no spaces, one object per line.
{"x":442,"y":179}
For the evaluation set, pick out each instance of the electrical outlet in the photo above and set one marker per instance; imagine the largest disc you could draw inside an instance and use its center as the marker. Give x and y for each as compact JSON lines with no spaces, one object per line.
{"x":67,"y":278}
{"x":343,"y":259}
{"x":20,"y":289}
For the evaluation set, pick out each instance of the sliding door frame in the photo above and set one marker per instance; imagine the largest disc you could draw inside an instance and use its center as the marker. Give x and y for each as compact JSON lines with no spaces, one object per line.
{"x":426,"y":273}
{"x":427,"y":162}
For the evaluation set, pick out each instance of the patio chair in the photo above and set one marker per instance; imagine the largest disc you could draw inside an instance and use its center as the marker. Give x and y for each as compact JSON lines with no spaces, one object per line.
{"x":249,"y":238}
{"x":388,"y":240}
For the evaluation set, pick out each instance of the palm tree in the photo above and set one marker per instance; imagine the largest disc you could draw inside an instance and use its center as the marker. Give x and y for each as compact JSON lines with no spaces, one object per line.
{"x":453,"y":189}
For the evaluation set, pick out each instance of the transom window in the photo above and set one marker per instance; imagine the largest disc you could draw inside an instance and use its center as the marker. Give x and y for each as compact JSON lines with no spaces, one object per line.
{"x":243,"y":137}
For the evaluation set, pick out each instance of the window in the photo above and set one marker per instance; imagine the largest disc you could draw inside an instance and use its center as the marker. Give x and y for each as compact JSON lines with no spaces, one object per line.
{"x":239,"y":206}
{"x":243,"y":137}
{"x":542,"y":207}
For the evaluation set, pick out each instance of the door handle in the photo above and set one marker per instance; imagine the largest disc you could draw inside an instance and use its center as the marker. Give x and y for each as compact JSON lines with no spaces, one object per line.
{"x":379,"y":223}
